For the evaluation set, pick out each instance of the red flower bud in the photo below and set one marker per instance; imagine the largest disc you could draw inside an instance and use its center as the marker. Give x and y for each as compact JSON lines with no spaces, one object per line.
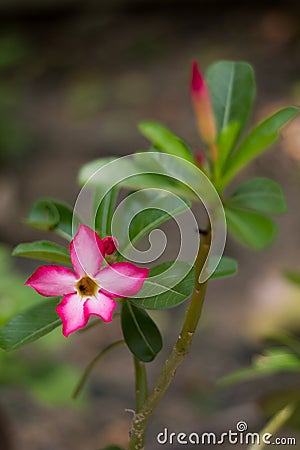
{"x":110,"y":245}
{"x":200,"y":158}
{"x":202,"y":106}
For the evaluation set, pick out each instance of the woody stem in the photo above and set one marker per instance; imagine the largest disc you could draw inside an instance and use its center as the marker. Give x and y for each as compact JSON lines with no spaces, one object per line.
{"x":177,"y":355}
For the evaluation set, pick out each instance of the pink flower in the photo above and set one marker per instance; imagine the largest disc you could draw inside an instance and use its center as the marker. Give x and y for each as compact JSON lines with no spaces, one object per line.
{"x":90,"y":289}
{"x":202,"y":106}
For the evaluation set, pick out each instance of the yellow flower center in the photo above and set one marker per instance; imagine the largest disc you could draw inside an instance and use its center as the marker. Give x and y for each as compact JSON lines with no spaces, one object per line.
{"x":86,"y":287}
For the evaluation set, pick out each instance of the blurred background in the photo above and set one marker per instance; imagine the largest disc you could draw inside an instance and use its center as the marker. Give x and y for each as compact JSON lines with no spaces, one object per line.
{"x":76,"y":77}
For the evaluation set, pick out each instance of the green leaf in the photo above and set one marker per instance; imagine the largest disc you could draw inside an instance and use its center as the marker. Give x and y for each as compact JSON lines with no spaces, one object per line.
{"x":140,"y":333}
{"x":47,"y":214}
{"x":101,"y":173}
{"x":43,"y":215}
{"x":227,"y":268}
{"x":250,"y":228}
{"x":226,"y":141}
{"x":166,"y":288}
{"x":259,"y":194}
{"x":144,"y":211}
{"x":66,"y":218}
{"x":286,"y":339}
{"x":232,"y":89}
{"x":257,"y":141}
{"x":29,"y":325}
{"x":272,"y":361}
{"x":163,"y":139}
{"x":105,"y":210}
{"x":44,"y":250}
{"x":171,"y":283}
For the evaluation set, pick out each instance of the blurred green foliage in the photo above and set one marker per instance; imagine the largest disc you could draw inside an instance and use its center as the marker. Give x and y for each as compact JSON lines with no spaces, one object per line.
{"x":14,"y":296}
{"x":13,"y":50}
{"x":49,"y":380}
{"x":14,"y":138}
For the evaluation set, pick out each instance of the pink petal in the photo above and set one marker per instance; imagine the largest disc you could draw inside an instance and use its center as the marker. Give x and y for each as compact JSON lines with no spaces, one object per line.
{"x":86,"y":251}
{"x":71,"y":312}
{"x":121,"y":279}
{"x":52,"y":280}
{"x":102,"y":305}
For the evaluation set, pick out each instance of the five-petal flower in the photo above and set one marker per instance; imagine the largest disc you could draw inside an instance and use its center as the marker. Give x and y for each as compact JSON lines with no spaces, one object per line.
{"x":90,"y":289}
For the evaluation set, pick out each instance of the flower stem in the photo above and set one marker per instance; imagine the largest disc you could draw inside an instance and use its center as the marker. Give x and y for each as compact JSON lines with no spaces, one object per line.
{"x":141,"y":386}
{"x":92,"y":364}
{"x":179,"y":351}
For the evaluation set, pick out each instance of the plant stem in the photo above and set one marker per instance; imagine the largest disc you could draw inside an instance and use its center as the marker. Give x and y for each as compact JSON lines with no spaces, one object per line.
{"x":179,"y":351}
{"x":141,"y":386}
{"x":275,"y":423}
{"x":92,"y":364}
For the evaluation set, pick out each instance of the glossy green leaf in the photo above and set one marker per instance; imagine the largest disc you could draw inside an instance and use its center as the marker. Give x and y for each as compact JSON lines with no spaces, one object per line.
{"x":66,"y":218}
{"x":47,"y":214}
{"x":149,"y":167}
{"x":163,"y":139}
{"x":105,"y":210}
{"x":166,"y":288}
{"x":140,"y":332}
{"x":259,"y":194}
{"x":226,"y":141}
{"x":227,"y":268}
{"x":274,"y":360}
{"x":232,"y":89}
{"x":250,"y":228}
{"x":29,"y":325}
{"x":144,"y":211}
{"x":43,"y":215}
{"x":257,"y":141}
{"x":44,"y":250}
{"x":171,"y":283}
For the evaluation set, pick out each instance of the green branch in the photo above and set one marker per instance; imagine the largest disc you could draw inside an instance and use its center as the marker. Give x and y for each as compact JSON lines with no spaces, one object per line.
{"x":179,"y":351}
{"x":141,"y":386}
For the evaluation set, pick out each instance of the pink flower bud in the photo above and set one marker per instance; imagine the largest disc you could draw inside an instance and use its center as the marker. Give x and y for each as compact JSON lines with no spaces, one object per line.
{"x":202,"y":106}
{"x":200,"y":158}
{"x":110,"y":245}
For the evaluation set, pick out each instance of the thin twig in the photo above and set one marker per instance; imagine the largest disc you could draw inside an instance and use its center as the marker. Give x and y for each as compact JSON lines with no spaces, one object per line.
{"x":92,"y":364}
{"x":273,"y":426}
